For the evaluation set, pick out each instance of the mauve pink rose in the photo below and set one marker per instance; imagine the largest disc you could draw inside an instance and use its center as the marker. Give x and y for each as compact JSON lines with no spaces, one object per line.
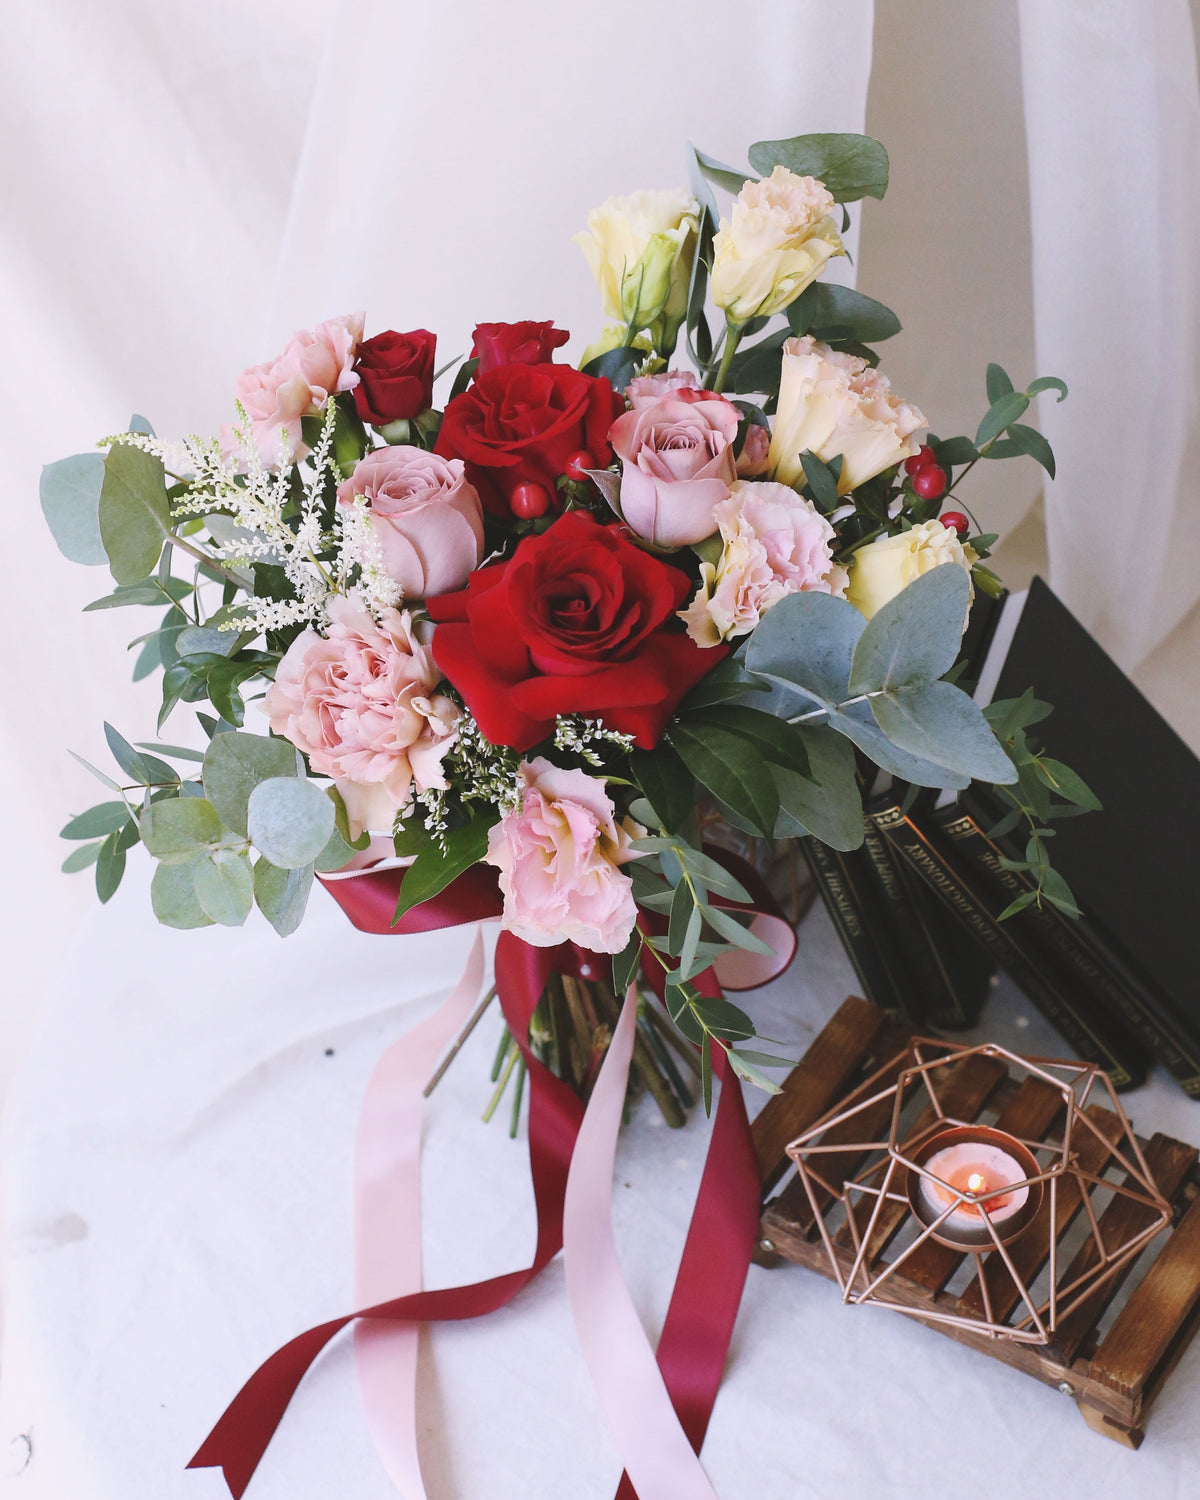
{"x":645,"y":390}
{"x":677,"y":465}
{"x":427,"y":518}
{"x":752,"y":460}
{"x":559,"y":853}
{"x":313,"y":365}
{"x":360,"y":703}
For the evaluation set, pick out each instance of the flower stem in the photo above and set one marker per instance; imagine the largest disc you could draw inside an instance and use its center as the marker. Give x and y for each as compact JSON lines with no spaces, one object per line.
{"x":733,"y":337}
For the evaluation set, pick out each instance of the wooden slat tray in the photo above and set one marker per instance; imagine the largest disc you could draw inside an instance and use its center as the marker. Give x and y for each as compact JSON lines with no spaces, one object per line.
{"x":1112,"y":1360}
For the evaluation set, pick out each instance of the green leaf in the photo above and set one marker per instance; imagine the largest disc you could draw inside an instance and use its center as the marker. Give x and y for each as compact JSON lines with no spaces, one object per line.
{"x":820,"y":481}
{"x":81,"y":858}
{"x":463,"y":378}
{"x":336,"y":853}
{"x":1008,"y":715}
{"x":1048,"y":383}
{"x":99,"y":775}
{"x":690,"y":942}
{"x":617,"y":366}
{"x":916,"y":636}
{"x":706,"y":1076}
{"x":712,"y":875}
{"x":742,"y":1065}
{"x":224,"y":885}
{"x":1030,"y":440}
{"x":133,"y":764}
{"x":432,"y":871}
{"x":774,"y":739}
{"x":1065,"y":782}
{"x":683,"y":906}
{"x":173,"y":897}
{"x":127,"y":594}
{"x":197,"y":639}
{"x":70,"y":496}
{"x":954,"y":451}
{"x":1057,"y":891}
{"x":850,"y":166}
{"x":728,"y":680}
{"x":179,"y":752}
{"x":727,"y":177}
{"x":734,"y":772}
{"x":176,"y":829}
{"x":678,"y":999}
{"x":1013,"y":907}
{"x":282,"y":895}
{"x":134,"y":512}
{"x":722,"y":1018}
{"x":807,"y":641}
{"x":666,"y":783}
{"x":625,"y":964}
{"x":998,"y":383}
{"x":860,"y":726}
{"x":234,"y":764}
{"x":939,"y":723}
{"x":829,"y":806}
{"x":110,"y":867}
{"x":830,"y":312}
{"x":342,"y":821}
{"x":732,"y":931}
{"x":997,"y":417}
{"x":757,"y":367}
{"x":289,"y":821}
{"x":97,"y":822}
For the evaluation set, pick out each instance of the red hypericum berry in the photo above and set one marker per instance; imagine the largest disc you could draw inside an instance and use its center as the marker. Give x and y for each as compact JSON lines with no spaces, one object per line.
{"x":529,"y":501}
{"x":956,"y":521}
{"x":921,"y":459}
{"x":578,"y":464}
{"x":929,"y":482}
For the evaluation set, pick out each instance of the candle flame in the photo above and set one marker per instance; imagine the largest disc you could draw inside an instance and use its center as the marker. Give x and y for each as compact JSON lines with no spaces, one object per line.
{"x":976,"y":1182}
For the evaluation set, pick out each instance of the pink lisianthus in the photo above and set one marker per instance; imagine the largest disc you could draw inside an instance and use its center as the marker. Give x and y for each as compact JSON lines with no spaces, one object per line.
{"x":427,"y":519}
{"x":313,"y":365}
{"x":645,"y":390}
{"x":559,"y":854}
{"x":360,"y":703}
{"x":677,"y":465}
{"x":774,"y":543}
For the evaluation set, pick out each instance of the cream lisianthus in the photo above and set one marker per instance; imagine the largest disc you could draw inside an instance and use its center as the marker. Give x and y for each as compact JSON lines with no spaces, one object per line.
{"x":881,"y":569}
{"x":778,"y":236}
{"x":832,"y":405}
{"x":639,"y":248}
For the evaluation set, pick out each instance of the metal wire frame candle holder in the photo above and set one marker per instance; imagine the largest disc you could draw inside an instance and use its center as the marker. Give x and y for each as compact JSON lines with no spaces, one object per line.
{"x":1078,"y":1083}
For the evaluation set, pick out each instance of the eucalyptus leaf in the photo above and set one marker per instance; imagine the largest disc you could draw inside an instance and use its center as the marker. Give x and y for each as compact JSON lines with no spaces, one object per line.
{"x":727,"y":680}
{"x":741,"y":1064}
{"x":70,"y":494}
{"x":807,"y":641}
{"x":731,"y":769}
{"x":734,"y":932}
{"x":99,"y":775}
{"x":938,"y":722}
{"x":204,"y":638}
{"x":916,"y":636}
{"x":234,"y":764}
{"x":134,"y":512}
{"x":81,"y":858}
{"x":289,"y":821}
{"x":722,"y":1018}
{"x":625,"y":964}
{"x":173,"y":897}
{"x":224,"y":885}
{"x":97,"y":822}
{"x":683,"y":908}
{"x":850,"y":166}
{"x":110,"y":867}
{"x":176,"y":829}
{"x":829,"y":805}
{"x":282,"y":895}
{"x":336,"y":853}
{"x":860,"y":726}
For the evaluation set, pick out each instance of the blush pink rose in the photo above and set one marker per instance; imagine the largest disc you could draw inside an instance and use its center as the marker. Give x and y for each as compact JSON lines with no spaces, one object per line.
{"x":774,"y":543}
{"x":645,"y":390}
{"x":313,"y":365}
{"x":677,"y":465}
{"x":752,"y":460}
{"x":360,"y":703}
{"x":428,"y":520}
{"x":559,"y":854}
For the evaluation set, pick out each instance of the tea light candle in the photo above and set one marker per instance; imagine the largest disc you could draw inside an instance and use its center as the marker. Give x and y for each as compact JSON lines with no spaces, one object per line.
{"x":973,"y":1167}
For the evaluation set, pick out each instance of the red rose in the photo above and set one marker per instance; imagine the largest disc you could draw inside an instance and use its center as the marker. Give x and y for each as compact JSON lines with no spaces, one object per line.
{"x":575,"y":623}
{"x":395,"y":376}
{"x":519,"y":424}
{"x":515,"y":344}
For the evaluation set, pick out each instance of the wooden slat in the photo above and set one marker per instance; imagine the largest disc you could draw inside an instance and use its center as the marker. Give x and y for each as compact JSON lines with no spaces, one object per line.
{"x":1031,"y":1252}
{"x":820,"y":1078}
{"x":1144,"y":1332}
{"x":1169,"y":1162}
{"x":963,"y":1091}
{"x":1028,"y":1115}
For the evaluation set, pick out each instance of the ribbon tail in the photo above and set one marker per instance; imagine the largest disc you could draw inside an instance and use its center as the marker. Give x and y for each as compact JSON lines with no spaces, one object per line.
{"x":633,"y":1396}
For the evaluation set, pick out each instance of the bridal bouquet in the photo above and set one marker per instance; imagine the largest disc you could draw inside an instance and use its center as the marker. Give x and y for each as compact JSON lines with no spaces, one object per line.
{"x":534,"y":627}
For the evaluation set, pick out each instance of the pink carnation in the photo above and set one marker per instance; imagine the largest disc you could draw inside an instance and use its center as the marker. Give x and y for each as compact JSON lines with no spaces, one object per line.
{"x":314,"y":364}
{"x":558,"y":853}
{"x":774,"y":543}
{"x":676,"y":465}
{"x":645,"y":390}
{"x":360,"y":703}
{"x":426,"y":517}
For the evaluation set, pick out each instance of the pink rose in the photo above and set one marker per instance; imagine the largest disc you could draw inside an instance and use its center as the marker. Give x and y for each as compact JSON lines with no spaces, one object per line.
{"x":360,"y":703}
{"x":677,"y":465}
{"x":645,"y":390}
{"x":558,"y":853}
{"x":774,"y":543}
{"x":752,"y":460}
{"x":427,"y":518}
{"x":313,"y":365}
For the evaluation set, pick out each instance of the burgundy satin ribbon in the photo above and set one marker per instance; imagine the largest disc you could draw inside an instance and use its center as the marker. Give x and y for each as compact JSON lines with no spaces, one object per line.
{"x":708,"y":1288}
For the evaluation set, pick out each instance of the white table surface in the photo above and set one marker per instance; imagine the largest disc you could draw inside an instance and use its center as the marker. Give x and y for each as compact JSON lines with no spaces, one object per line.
{"x":177,"y":1151}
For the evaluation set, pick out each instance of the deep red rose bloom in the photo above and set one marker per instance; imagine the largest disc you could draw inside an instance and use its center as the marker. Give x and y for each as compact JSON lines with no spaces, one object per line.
{"x":578,"y":622}
{"x":519,"y":424}
{"x":395,"y":376}
{"x":515,"y":344}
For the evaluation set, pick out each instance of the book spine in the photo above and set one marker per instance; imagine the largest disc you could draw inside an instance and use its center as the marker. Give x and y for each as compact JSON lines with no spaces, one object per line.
{"x":936,"y":991}
{"x":1074,"y":944}
{"x":1096,"y":1039}
{"x":843,"y":898}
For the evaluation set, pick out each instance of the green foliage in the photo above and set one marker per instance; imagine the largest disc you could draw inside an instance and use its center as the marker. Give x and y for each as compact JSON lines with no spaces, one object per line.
{"x":173,"y":897}
{"x":289,"y":821}
{"x":282,"y":895}
{"x":850,"y":166}
{"x":134,"y":513}
{"x":666,"y":782}
{"x":70,"y":496}
{"x":731,"y":768}
{"x":224,"y":886}
{"x":235,"y":764}
{"x":435,"y":867}
{"x":835,"y":314}
{"x":178,"y":830}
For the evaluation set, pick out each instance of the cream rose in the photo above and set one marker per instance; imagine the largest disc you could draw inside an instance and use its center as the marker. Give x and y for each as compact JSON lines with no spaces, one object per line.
{"x":833,"y":404}
{"x":559,"y":854}
{"x":426,"y":517}
{"x":639,"y":248}
{"x":360,"y":701}
{"x":774,"y":543}
{"x":778,"y":236}
{"x":883,"y":567}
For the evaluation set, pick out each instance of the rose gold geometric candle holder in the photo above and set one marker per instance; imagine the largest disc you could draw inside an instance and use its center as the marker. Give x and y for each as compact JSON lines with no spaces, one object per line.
{"x":887,"y":1194}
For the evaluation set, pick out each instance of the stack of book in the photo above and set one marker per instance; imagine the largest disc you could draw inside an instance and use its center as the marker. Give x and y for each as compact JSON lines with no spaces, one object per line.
{"x":918,"y":906}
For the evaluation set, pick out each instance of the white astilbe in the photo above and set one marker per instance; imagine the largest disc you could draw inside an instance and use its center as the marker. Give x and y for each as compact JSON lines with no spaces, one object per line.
{"x":572,"y":732}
